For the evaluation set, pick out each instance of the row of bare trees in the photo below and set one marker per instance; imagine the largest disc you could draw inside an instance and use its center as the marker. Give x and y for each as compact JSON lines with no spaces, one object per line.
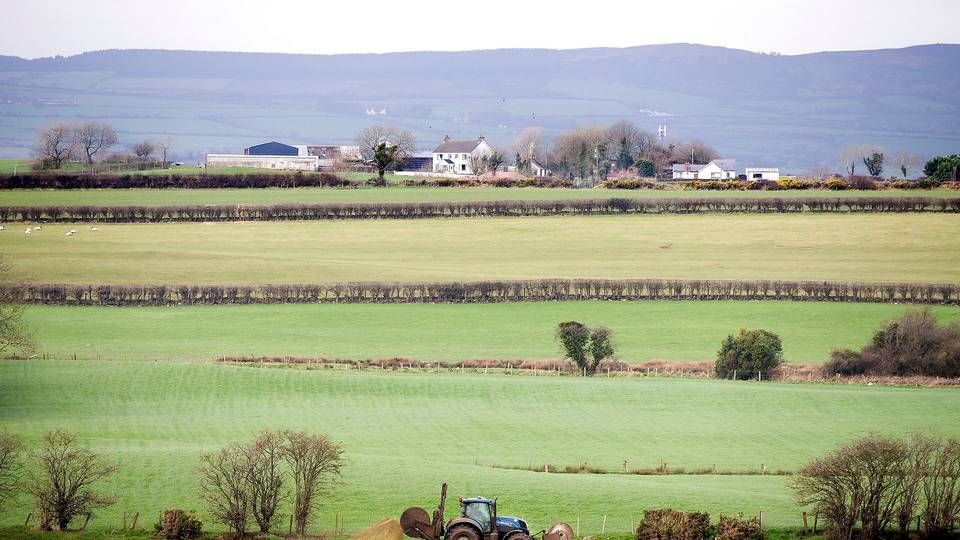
{"x":484,"y":292}
{"x":61,"y":142}
{"x":252,"y":480}
{"x":874,"y":159}
{"x":588,"y":154}
{"x":239,"y":482}
{"x":877,"y":484}
{"x":451,"y":209}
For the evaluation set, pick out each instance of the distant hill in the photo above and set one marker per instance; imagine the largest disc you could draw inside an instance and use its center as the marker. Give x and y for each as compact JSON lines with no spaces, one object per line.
{"x":789,"y":111}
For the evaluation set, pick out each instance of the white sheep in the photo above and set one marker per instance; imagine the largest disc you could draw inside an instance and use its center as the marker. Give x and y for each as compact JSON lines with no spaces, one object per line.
{"x":70,"y":233}
{"x":2,"y":227}
{"x":94,"y":229}
{"x":73,"y":231}
{"x":38,"y":228}
{"x":28,"y":231}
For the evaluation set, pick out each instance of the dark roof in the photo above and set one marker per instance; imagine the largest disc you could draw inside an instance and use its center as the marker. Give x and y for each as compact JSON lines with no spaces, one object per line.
{"x":451,"y":146}
{"x":726,"y":164}
{"x":272,"y":148}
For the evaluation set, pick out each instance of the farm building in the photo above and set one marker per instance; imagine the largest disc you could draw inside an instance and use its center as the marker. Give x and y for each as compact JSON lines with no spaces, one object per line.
{"x":538,"y":170}
{"x":272,"y":148}
{"x":763,"y":173}
{"x":286,"y":162}
{"x":718,"y":169}
{"x":419,"y":161}
{"x":453,"y":156}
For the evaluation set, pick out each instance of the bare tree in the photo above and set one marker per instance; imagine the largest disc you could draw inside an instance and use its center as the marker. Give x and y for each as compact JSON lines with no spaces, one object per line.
{"x":581,"y":153}
{"x":163,"y":146}
{"x":14,"y":335}
{"x":225,"y":486}
{"x":818,"y":173}
{"x":10,"y":448}
{"x":385,"y":147}
{"x":942,"y":490}
{"x":852,"y":155}
{"x":527,"y":147}
{"x":623,"y":139}
{"x":694,"y":152}
{"x":143,"y":150}
{"x":62,"y":485}
{"x":478,"y":163}
{"x":315,"y":463}
{"x":906,"y":160}
{"x":266,"y":477}
{"x":55,"y":145}
{"x":92,"y":138}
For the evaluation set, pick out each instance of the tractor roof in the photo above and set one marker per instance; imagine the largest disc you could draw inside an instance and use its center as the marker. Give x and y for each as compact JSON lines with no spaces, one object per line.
{"x":477,"y":500}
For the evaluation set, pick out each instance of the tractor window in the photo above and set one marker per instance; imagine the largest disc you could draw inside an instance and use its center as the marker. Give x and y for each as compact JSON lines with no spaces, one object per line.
{"x":479,"y":512}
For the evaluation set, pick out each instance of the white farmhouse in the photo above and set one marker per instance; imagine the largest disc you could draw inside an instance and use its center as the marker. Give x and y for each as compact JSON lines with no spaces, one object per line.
{"x":453,"y":156}
{"x":718,"y":169}
{"x":763,"y":173}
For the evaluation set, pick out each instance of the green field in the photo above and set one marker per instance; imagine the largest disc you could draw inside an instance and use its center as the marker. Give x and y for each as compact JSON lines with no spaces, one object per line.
{"x":902,"y":247}
{"x":159,"y":197}
{"x":643,"y":330}
{"x":406,"y":433}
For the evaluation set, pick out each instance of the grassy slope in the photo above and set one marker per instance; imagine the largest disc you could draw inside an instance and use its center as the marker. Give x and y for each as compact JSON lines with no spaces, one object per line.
{"x":405,"y":433}
{"x":157,"y":197}
{"x":644,"y":330}
{"x":828,"y":247}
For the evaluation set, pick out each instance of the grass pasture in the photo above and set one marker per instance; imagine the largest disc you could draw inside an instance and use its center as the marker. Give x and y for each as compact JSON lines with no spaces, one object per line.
{"x":405,"y":433}
{"x":643,"y":330}
{"x":872,"y":248}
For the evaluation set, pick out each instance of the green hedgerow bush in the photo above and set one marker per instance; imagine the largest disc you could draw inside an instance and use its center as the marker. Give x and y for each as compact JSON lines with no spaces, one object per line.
{"x":668,"y":524}
{"x":175,"y":524}
{"x":748,"y":353}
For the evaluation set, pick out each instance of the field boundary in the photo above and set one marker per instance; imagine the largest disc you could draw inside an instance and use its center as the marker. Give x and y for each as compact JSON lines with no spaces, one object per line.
{"x":453,"y":209}
{"x":376,"y":292}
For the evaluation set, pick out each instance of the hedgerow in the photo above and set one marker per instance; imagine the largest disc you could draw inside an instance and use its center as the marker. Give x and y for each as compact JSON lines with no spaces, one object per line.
{"x":419,"y":210}
{"x":482,"y":292}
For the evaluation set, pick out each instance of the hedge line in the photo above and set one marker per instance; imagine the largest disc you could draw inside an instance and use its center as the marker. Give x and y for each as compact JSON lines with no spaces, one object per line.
{"x":170,"y":181}
{"x":419,"y":210}
{"x":484,"y":292}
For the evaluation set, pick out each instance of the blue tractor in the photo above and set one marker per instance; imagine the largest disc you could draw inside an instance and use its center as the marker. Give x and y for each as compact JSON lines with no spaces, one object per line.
{"x":478,"y":520}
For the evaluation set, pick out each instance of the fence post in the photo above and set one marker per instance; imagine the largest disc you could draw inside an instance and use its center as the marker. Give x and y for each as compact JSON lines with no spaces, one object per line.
{"x":603,"y":527}
{"x":815,"y":516}
{"x":27,"y":522}
{"x":761,"y":521}
{"x":805,"y":528}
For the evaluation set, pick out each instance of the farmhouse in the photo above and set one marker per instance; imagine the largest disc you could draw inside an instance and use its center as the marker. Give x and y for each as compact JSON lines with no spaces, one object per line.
{"x":453,"y":156}
{"x":718,"y":169}
{"x":538,"y":170}
{"x":763,"y":173}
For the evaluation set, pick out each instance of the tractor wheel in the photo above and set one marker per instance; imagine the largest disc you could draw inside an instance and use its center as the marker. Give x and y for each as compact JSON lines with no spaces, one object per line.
{"x":517,"y":535}
{"x":462,"y":532}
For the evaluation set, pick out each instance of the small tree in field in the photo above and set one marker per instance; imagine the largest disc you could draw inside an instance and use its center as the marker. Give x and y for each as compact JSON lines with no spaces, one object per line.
{"x":14,"y":335}
{"x":585,"y":346}
{"x":62,"y":485}
{"x":315,"y":463}
{"x":225,"y":486}
{"x":748,"y":353}
{"x":385,"y":147}
{"x":10,"y":448}
{"x":266,"y":477}
{"x":874,"y":163}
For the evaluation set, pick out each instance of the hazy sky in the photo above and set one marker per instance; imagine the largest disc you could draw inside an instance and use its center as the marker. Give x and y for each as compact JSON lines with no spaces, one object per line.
{"x":35,"y":28}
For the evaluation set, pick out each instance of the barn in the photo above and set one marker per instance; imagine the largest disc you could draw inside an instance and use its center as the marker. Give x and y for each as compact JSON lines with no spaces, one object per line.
{"x":272,"y":148}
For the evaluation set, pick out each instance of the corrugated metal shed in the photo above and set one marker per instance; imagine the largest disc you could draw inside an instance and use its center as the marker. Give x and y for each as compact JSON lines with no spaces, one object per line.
{"x":272,"y":148}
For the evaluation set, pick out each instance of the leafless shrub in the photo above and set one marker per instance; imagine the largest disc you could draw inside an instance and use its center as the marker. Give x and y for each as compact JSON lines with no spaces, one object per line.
{"x":225,"y":486}
{"x":62,"y":485}
{"x":11,"y":447}
{"x":266,"y":479}
{"x":668,"y":524}
{"x":315,"y":462}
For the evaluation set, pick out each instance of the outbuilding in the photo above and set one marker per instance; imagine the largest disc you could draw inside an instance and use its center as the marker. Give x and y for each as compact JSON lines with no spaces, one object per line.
{"x":763,"y":173}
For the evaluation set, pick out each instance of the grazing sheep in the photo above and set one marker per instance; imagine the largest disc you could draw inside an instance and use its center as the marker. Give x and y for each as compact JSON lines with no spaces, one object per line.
{"x":2,"y":227}
{"x":70,"y":233}
{"x":28,"y":231}
{"x":38,"y":228}
{"x":94,"y":229}
{"x":73,"y":231}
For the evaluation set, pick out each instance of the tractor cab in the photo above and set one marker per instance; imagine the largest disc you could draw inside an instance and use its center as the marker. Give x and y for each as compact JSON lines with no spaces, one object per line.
{"x":482,"y":514}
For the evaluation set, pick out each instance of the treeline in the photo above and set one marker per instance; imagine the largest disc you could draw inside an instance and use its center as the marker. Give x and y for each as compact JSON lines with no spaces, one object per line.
{"x":446,"y":209}
{"x":61,"y":180}
{"x":376,"y":292}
